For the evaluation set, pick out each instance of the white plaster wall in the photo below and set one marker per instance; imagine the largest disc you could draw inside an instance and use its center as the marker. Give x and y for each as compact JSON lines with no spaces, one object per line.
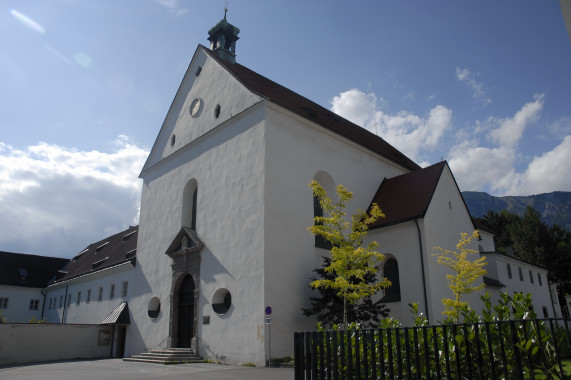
{"x":402,"y":242}
{"x":27,"y":343}
{"x":540,"y":294}
{"x":228,"y":165}
{"x":19,"y":298}
{"x":296,"y":150}
{"x":214,"y":86}
{"x":487,"y":243}
{"x":445,"y":219}
{"x":95,"y":311}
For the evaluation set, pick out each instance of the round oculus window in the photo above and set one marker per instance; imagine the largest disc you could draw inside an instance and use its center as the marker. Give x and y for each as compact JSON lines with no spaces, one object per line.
{"x":221,"y":301}
{"x":195,"y":107}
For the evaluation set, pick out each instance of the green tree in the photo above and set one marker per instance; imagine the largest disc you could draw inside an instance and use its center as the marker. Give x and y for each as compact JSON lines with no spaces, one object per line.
{"x":328,"y":306}
{"x":351,"y":262}
{"x":465,"y":273}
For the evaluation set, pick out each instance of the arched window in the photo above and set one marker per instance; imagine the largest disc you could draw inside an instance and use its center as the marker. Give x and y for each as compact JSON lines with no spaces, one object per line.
{"x":320,"y":241}
{"x":391,"y":271}
{"x":189,"y":204}
{"x":325,"y":180}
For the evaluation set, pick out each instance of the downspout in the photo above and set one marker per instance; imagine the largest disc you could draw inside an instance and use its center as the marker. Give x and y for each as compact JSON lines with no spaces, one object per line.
{"x":44,"y":303}
{"x":422,"y":265}
{"x":64,"y":314}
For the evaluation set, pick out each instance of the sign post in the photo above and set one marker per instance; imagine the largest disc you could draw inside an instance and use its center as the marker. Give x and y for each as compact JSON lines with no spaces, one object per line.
{"x":269,"y":323}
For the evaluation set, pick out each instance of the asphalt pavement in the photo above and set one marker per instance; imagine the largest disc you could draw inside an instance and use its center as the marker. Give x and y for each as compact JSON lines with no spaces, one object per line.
{"x":117,"y":369}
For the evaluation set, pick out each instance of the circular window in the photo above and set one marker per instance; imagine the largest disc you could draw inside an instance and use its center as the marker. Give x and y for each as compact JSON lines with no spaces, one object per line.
{"x":195,"y":107}
{"x":173,"y":139}
{"x":154,"y":307}
{"x":221,"y":301}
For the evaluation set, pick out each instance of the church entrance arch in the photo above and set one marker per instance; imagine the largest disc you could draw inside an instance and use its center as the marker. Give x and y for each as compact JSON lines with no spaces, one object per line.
{"x":183,"y":323}
{"x":186,"y":312}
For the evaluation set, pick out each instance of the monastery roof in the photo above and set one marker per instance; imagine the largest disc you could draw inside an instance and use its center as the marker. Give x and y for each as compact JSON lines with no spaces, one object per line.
{"x":18,"y":269}
{"x":407,"y":196}
{"x":113,"y":250}
{"x":312,"y":111}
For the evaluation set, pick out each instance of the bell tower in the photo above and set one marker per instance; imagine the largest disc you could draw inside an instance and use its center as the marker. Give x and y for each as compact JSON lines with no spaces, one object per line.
{"x":223,"y":37}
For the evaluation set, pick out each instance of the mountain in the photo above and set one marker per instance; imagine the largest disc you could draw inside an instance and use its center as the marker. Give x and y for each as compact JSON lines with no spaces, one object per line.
{"x":555,"y":208}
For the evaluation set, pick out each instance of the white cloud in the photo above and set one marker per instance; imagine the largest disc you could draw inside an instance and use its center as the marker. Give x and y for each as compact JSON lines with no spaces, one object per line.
{"x":511,"y":129}
{"x":355,"y":106}
{"x":57,"y":200}
{"x":172,"y":6}
{"x":410,"y":133}
{"x":477,"y":167}
{"x":492,"y":169}
{"x":464,"y":75}
{"x":546,"y":172}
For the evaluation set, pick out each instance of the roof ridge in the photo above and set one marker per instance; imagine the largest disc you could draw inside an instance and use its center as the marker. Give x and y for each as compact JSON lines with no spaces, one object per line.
{"x":312,"y":111}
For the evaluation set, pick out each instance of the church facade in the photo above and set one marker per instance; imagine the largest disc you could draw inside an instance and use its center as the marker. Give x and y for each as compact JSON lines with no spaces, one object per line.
{"x":224,"y":211}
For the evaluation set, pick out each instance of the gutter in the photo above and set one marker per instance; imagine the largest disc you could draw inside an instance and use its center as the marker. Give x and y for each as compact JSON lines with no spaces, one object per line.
{"x":422,"y":265}
{"x":44,"y":303}
{"x":65,"y":306}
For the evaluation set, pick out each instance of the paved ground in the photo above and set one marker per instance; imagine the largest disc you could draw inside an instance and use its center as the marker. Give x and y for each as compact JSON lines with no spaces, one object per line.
{"x":116,"y":369}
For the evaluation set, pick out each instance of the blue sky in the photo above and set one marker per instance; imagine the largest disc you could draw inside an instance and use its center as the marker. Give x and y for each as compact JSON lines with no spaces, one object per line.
{"x":85,"y":86}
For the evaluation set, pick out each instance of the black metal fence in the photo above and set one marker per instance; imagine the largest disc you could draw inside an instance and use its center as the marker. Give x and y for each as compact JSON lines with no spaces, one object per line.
{"x":522,"y":349}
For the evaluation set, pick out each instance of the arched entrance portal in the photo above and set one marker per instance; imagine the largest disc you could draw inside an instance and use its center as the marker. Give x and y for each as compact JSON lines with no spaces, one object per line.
{"x":186,"y":312}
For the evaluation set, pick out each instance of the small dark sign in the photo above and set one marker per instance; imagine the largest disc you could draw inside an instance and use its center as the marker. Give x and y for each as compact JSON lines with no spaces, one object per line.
{"x":268,"y":310}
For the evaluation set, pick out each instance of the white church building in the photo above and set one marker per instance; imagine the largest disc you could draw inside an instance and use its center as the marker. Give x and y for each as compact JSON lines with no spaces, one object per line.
{"x":224,"y":211}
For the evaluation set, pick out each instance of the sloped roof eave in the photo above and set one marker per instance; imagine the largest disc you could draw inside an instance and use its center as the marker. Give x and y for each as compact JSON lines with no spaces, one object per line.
{"x":298,"y":104}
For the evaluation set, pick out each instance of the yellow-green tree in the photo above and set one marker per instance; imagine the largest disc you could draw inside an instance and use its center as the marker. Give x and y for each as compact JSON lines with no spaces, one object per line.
{"x":466,"y":272}
{"x":350,"y":260}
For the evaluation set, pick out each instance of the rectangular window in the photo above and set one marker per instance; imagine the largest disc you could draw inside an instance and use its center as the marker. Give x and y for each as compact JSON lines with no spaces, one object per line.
{"x":124,"y":288}
{"x":3,"y":303}
{"x":88,"y":296}
{"x":51,"y":301}
{"x":520,"y":274}
{"x":60,"y":301}
{"x":539,"y":279}
{"x":545,"y":313}
{"x":112,"y":292}
{"x":34,"y":304}
{"x":509,"y":271}
{"x":78,"y":298}
{"x":69,"y":301}
{"x":100,"y":296}
{"x":531,"y":277}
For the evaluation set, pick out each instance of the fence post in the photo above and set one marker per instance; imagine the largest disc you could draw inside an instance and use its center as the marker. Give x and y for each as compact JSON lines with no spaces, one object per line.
{"x":556,"y":348}
{"x":468,"y":356}
{"x":308,"y":359}
{"x":328,"y":346}
{"x":517,"y":356}
{"x":298,"y":367}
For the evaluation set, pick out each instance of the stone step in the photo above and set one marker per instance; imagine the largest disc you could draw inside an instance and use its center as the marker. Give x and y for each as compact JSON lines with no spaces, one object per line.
{"x":167,"y":356}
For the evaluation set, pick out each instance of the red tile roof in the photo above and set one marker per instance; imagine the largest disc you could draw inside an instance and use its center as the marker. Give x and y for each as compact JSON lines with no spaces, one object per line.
{"x":407,"y":196}
{"x":312,"y":111}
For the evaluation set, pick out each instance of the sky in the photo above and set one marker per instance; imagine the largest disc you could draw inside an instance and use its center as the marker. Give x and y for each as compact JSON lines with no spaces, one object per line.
{"x":86,"y":85}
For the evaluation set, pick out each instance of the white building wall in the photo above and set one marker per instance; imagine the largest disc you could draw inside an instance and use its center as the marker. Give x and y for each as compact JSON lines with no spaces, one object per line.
{"x":296,"y":150}
{"x":95,"y":310}
{"x":228,"y":165}
{"x":32,"y":343}
{"x":19,"y":298}
{"x":402,"y":242}
{"x":445,"y":219}
{"x":540,"y":293}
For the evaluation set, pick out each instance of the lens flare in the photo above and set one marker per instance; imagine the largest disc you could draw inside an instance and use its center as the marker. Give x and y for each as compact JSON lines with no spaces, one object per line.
{"x":28,"y":22}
